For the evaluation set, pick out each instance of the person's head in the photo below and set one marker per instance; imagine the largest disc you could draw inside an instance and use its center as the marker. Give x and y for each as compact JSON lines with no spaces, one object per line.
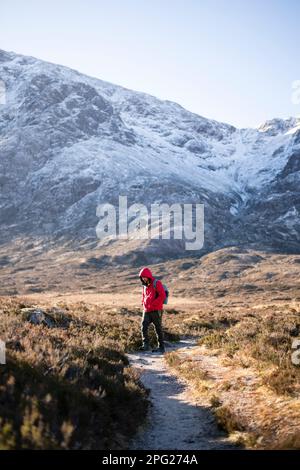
{"x":145,"y":281}
{"x":145,"y":276}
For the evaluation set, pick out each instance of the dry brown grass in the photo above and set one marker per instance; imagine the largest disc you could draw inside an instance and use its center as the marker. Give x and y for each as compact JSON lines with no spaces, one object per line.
{"x":69,"y":386}
{"x":263,"y":335}
{"x":247,"y":317}
{"x":243,"y":368}
{"x":243,"y":305}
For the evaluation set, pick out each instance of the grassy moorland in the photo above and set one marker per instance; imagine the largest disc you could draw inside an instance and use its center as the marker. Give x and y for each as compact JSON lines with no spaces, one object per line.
{"x":69,"y":385}
{"x":247,"y":320}
{"x":243,"y":367}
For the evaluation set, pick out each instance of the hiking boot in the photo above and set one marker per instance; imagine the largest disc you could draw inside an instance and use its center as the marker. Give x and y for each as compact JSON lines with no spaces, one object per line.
{"x":159,"y":350}
{"x":145,"y":347}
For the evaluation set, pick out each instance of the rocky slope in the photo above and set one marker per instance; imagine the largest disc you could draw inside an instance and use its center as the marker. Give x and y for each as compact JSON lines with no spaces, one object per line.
{"x":69,"y":142}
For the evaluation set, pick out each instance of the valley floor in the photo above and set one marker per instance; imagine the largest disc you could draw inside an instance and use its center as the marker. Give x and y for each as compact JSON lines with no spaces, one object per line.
{"x":241,"y":309}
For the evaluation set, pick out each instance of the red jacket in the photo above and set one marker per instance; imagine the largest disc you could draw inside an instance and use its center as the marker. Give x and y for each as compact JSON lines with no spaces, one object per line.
{"x":152,"y":299}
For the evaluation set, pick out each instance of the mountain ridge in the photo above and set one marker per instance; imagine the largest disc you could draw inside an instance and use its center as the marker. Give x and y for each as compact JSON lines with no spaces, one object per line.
{"x":69,"y":142}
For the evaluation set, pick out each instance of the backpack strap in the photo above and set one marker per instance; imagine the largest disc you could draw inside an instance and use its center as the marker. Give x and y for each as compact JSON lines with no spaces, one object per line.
{"x":154,"y":285}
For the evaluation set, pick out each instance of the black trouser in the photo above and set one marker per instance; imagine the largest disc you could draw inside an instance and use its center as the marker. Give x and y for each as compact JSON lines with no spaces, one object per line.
{"x":154,"y":317}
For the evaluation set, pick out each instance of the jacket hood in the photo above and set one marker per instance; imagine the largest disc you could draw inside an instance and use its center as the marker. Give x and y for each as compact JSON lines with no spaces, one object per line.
{"x":145,"y":272}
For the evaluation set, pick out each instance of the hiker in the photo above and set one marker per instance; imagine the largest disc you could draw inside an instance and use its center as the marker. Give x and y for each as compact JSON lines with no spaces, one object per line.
{"x":153,"y":298}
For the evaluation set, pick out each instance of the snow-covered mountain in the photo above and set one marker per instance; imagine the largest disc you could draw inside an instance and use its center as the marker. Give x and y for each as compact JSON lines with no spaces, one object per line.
{"x":69,"y":142}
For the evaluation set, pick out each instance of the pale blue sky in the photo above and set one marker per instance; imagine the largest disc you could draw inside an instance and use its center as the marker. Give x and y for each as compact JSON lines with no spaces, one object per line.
{"x":231,"y":60}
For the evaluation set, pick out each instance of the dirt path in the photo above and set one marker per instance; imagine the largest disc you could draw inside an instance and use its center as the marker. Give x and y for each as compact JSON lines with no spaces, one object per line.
{"x":175,"y":421}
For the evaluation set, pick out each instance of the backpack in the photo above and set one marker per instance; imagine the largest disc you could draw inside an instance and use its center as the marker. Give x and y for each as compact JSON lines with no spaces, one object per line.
{"x":165,"y":289}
